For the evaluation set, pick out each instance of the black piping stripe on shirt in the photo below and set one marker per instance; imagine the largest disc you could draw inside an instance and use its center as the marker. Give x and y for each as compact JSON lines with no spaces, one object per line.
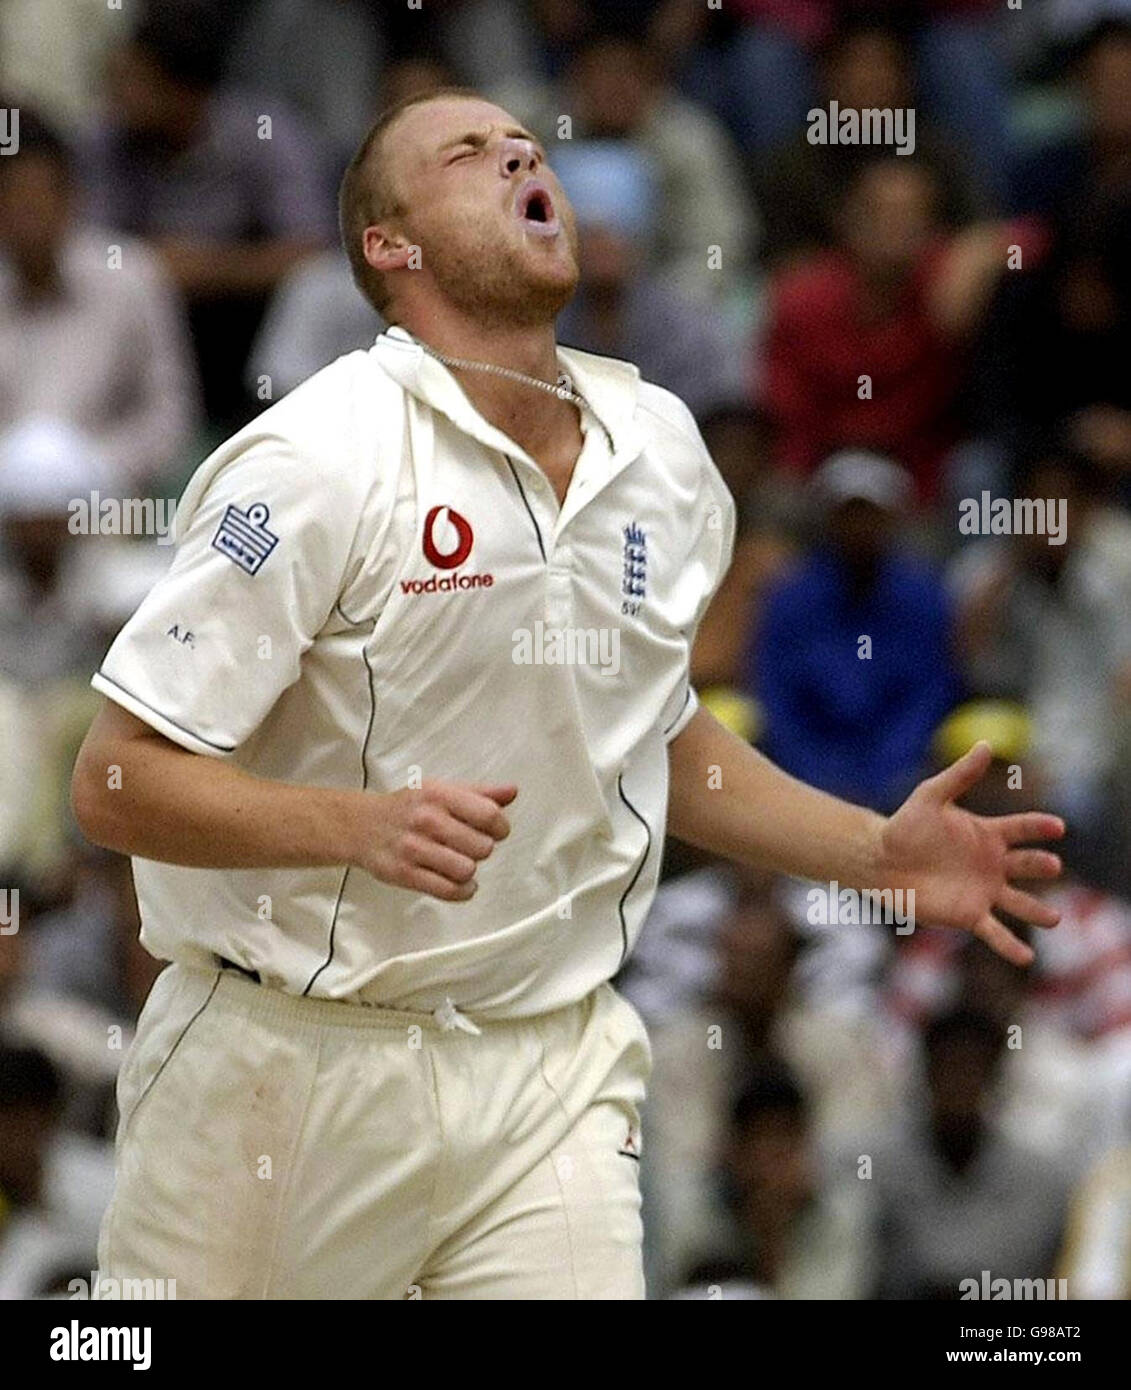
{"x":219,"y":747}
{"x":636,"y":875}
{"x":526,"y":504}
{"x":364,"y":787}
{"x":679,"y":716}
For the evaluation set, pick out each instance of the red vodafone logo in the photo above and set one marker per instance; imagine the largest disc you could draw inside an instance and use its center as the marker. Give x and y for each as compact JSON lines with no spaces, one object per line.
{"x":465,"y":538}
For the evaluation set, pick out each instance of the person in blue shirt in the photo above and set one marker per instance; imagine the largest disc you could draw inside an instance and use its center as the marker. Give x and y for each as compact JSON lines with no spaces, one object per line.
{"x":851,"y":660}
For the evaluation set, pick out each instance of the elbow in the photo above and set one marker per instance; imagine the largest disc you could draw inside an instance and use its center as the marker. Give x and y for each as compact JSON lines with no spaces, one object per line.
{"x":91,"y":797}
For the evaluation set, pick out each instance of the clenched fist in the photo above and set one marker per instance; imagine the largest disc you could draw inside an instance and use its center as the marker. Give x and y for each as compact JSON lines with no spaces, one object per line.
{"x":432,"y":839}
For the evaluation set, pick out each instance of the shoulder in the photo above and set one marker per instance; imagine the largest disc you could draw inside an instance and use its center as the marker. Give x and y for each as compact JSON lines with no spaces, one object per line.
{"x":334,"y":416}
{"x":668,"y":415}
{"x":671,"y":428}
{"x":329,"y":441}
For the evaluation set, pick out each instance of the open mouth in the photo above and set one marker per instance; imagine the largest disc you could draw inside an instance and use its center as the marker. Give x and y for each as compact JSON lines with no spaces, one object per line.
{"x":535,"y":209}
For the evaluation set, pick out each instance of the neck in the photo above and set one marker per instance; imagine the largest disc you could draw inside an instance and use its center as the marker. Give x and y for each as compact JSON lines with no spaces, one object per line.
{"x":531,"y":417}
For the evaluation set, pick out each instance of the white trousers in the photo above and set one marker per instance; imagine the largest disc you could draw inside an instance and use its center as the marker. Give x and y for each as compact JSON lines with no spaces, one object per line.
{"x":271,"y":1146}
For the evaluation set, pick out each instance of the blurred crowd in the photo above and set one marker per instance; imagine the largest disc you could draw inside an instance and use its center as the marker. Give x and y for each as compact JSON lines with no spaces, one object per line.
{"x":879,"y":344}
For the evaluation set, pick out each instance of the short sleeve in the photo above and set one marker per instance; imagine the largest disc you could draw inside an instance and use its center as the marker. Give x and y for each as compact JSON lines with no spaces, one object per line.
{"x":264,"y":546}
{"x":710,"y":557}
{"x":687,"y":706}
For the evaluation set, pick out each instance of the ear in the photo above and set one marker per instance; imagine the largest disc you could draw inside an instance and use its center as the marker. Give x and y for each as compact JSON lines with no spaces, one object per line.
{"x":385,"y":249}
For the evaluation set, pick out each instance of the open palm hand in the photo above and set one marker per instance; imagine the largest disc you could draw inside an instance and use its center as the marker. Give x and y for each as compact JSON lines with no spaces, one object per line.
{"x":962,"y":866}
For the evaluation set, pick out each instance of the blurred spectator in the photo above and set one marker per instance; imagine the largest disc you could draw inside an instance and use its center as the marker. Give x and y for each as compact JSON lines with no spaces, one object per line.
{"x":851,"y":665}
{"x":228,"y":187}
{"x":483,"y":41}
{"x":91,"y":330}
{"x":1057,"y":341}
{"x":1064,"y":1089}
{"x":52,"y":51}
{"x":44,"y":467}
{"x":315,"y":313}
{"x":314,"y":316}
{"x":1053,"y":178}
{"x":613,"y":89}
{"x":763,"y":75}
{"x":865,"y":343}
{"x":768,"y":515}
{"x":953,"y":1197}
{"x":53,"y":1185}
{"x":61,"y":596}
{"x":83,"y":977}
{"x":625,"y":312}
{"x":671,"y":978}
{"x":20,"y":770}
{"x":866,"y":65}
{"x":791,"y":1233}
{"x":1050,"y":624}
{"x":1096,"y":1259}
{"x":722,"y":976}
{"x":335,"y":85}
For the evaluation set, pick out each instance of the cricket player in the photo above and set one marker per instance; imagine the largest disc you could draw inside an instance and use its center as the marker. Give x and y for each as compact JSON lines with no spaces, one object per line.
{"x":394,"y":746}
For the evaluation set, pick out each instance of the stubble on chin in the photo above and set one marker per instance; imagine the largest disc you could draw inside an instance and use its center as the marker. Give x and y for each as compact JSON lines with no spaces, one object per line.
{"x":503,"y":285}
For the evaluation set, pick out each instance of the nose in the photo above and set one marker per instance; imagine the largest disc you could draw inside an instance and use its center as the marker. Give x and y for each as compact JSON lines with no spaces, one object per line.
{"x":517,"y":156}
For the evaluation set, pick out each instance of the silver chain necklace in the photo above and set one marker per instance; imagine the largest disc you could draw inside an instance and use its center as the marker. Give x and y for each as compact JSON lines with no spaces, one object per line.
{"x":563,"y":390}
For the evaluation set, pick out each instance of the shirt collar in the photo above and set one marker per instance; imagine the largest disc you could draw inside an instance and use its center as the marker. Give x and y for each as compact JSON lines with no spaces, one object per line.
{"x":609,"y":386}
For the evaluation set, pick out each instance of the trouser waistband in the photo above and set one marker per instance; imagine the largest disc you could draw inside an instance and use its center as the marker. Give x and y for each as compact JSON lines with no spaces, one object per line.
{"x":447,"y":1017}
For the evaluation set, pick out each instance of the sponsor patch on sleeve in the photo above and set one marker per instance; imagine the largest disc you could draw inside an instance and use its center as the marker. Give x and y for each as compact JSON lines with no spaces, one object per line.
{"x":244,"y":538}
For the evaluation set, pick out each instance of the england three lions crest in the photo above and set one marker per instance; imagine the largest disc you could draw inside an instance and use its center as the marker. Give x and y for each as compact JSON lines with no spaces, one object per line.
{"x":634,"y":570}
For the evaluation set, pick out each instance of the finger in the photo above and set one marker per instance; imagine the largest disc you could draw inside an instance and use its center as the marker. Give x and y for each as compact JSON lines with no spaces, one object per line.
{"x":470,"y":806}
{"x":438,"y":824}
{"x":1032,"y":863}
{"x":1028,"y":825}
{"x":1001,"y":940}
{"x":464,"y":839}
{"x":436,"y":886}
{"x":502,"y":795}
{"x":957,"y":779}
{"x":430,"y":854}
{"x":1026,"y":907}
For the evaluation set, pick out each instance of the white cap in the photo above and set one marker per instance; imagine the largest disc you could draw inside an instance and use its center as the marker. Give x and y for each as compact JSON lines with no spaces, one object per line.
{"x":46,"y":463}
{"x":857,"y":475}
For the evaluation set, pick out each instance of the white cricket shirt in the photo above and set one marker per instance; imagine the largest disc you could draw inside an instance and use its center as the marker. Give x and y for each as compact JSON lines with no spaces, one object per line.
{"x":374,"y":586}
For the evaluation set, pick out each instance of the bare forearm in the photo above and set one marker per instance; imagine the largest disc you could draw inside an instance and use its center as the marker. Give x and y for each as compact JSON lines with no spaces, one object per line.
{"x":136,"y":792}
{"x":730,"y":800}
{"x":180,"y":808}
